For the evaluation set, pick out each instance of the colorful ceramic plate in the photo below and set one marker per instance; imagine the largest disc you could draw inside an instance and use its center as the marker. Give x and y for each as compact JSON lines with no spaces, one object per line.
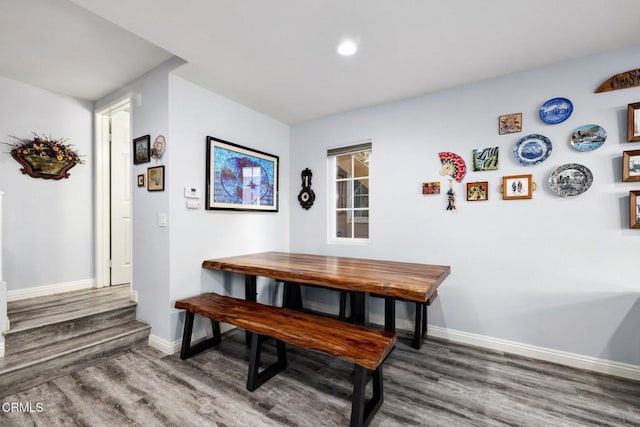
{"x":556,"y":110}
{"x":588,"y":137}
{"x":571,"y":179}
{"x":532,"y":149}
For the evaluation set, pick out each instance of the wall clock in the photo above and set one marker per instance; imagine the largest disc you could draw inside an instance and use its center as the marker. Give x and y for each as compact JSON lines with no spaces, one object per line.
{"x":306,"y":195}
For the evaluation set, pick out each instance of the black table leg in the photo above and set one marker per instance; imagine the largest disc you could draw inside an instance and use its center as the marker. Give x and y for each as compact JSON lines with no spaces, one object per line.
{"x":361,"y":308}
{"x":250,"y":294}
{"x":390,"y":314}
{"x":292,"y":297}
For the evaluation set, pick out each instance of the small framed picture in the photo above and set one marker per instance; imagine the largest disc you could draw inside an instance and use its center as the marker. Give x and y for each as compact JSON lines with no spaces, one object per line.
{"x":634,"y":209}
{"x":485,"y":159}
{"x":510,"y":123}
{"x":141,"y":150}
{"x":477,"y":191}
{"x":155,"y":178}
{"x":631,"y":166}
{"x":516,"y":187}
{"x":141,"y":180}
{"x":633,"y":122}
{"x":431,"y":187}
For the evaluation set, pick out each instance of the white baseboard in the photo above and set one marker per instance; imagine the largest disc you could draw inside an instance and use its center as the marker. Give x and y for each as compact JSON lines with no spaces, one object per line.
{"x":172,"y":347}
{"x":56,"y":288}
{"x":133,"y":295}
{"x":594,"y":364}
{"x":2,"y":349}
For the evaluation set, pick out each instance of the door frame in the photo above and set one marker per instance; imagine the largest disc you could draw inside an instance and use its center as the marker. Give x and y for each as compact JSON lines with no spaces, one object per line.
{"x":103,"y":191}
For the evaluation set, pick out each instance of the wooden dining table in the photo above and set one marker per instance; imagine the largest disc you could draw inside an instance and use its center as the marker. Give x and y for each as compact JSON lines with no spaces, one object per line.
{"x":360,"y":277}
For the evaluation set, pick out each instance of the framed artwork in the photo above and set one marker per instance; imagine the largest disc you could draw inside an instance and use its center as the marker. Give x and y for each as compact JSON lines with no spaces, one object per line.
{"x":155,"y":178}
{"x":634,"y":209}
{"x":141,"y":150}
{"x":477,"y":191}
{"x":485,"y":159}
{"x":141,"y":180}
{"x":516,"y":187}
{"x":631,"y":166}
{"x":240,"y":178}
{"x":510,"y":123}
{"x":431,"y":187}
{"x":633,"y":122}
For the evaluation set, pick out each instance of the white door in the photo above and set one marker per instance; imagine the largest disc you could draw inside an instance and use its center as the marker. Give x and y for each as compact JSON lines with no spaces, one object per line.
{"x":120,"y":197}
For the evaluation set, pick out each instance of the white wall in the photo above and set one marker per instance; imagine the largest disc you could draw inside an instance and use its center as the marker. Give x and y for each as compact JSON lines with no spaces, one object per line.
{"x":150,"y":243}
{"x":196,"y":235}
{"x":167,"y":262}
{"x":47,"y":224}
{"x":550,"y":272}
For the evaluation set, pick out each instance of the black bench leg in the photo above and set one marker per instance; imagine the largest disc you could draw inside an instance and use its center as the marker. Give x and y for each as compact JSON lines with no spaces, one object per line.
{"x":255,"y":378}
{"x":187,"y":349}
{"x":362,"y":411}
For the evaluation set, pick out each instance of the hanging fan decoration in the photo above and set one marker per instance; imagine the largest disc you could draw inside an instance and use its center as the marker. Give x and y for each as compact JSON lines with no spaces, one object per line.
{"x":452,"y":165}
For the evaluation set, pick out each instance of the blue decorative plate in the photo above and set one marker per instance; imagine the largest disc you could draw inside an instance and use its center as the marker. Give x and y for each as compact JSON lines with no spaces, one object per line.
{"x":588,"y":137}
{"x":570,"y":180}
{"x":532,"y":149}
{"x":556,"y":110}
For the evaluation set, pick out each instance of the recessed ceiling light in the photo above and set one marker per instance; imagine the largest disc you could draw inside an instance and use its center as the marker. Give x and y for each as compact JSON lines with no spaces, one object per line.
{"x":347,"y":48}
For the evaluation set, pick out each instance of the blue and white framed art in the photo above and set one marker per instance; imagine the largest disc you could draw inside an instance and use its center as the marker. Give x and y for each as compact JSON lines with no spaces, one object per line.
{"x":588,"y":137}
{"x":556,"y":110}
{"x":240,"y":178}
{"x":532,"y":149}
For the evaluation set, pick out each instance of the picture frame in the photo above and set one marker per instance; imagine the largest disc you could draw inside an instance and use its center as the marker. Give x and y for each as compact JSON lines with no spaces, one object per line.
{"x":631,"y":166}
{"x":155,"y":178}
{"x":141,"y":180}
{"x":510,"y":123}
{"x":240,"y":178}
{"x":517,"y":187}
{"x":432,"y":187}
{"x":477,"y":191}
{"x":633,"y":122}
{"x":142,"y":149}
{"x":634,"y":209}
{"x":486,"y":159}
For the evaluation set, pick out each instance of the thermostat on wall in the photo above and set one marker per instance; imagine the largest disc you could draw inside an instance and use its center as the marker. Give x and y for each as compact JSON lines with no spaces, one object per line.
{"x":192,"y":192}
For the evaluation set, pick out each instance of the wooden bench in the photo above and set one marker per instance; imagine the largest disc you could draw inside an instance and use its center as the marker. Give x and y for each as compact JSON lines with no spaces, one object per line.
{"x":366,"y":348}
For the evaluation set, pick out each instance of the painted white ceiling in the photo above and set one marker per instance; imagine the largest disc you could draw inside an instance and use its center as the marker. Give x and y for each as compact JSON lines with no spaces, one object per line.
{"x":59,"y":46}
{"x":279,"y":57}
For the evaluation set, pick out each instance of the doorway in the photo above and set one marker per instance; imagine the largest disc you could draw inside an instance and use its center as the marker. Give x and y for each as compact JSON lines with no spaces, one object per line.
{"x":113,"y":194}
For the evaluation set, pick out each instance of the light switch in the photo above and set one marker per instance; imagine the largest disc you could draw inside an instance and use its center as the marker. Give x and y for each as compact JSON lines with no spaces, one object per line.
{"x":162,"y":219}
{"x":193,"y":204}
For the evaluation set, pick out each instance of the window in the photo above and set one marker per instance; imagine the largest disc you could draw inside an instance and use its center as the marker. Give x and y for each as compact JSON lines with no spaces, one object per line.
{"x":349,"y":212}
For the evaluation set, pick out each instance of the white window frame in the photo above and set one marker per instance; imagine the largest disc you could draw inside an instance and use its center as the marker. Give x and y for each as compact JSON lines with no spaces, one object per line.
{"x":332,"y":197}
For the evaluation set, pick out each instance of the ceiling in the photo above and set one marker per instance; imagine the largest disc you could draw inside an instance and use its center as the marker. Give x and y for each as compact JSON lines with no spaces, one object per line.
{"x":279,"y":56}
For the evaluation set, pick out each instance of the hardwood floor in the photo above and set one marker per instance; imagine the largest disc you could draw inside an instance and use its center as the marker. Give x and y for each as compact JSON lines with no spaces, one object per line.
{"x":442,"y":384}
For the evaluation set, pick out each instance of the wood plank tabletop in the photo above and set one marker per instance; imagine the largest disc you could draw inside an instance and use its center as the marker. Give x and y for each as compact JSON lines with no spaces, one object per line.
{"x":411,"y":281}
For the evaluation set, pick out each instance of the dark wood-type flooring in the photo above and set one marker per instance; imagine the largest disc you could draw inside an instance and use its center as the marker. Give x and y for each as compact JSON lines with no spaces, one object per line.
{"x":442,"y":384}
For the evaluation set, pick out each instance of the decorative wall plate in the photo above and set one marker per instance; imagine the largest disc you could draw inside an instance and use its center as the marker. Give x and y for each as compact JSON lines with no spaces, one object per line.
{"x":556,"y":110}
{"x":588,"y":137}
{"x":532,"y":149}
{"x":570,"y":179}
